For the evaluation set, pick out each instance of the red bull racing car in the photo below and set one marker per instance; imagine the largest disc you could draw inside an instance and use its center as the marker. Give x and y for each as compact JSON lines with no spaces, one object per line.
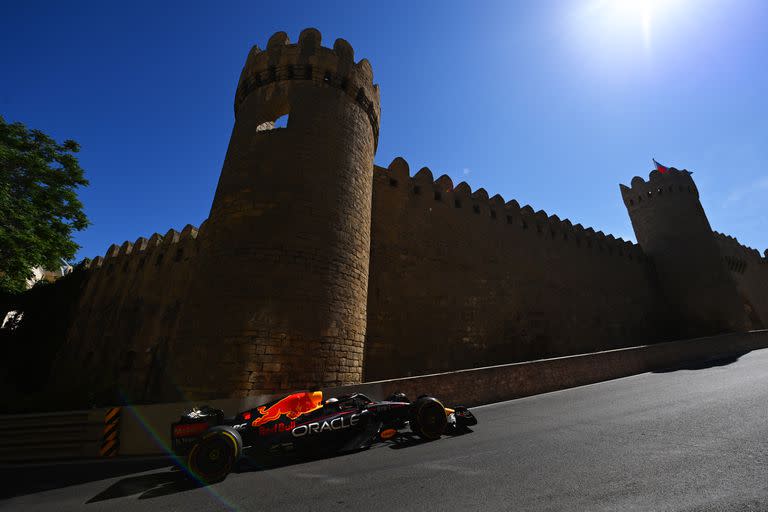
{"x":305,"y":424}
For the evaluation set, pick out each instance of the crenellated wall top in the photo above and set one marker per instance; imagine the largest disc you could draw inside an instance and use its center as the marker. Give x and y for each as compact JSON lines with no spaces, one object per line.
{"x":397,"y":174}
{"x":673,"y":182}
{"x":739,"y":248}
{"x":309,"y":60}
{"x":143,"y":245}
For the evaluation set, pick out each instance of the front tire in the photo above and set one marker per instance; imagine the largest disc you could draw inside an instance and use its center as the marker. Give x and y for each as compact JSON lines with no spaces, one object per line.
{"x":215,"y":455}
{"x":428,"y":419}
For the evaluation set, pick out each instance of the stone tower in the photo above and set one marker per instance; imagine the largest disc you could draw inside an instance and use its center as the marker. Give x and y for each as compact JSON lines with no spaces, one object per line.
{"x":279,"y":302}
{"x":672,"y":228}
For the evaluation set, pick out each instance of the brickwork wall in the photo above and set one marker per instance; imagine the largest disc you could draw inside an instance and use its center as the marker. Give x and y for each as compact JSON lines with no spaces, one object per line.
{"x":461,"y":280}
{"x":127,"y":312}
{"x":280,"y":300}
{"x":750,"y":271}
{"x":316,"y":268}
{"x":672,"y":228}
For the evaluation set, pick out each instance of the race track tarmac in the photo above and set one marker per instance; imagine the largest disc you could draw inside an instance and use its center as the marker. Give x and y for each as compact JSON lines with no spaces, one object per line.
{"x":688,"y":439}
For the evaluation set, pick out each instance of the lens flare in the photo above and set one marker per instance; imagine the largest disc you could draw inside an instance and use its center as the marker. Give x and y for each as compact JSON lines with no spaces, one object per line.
{"x":178,"y":461}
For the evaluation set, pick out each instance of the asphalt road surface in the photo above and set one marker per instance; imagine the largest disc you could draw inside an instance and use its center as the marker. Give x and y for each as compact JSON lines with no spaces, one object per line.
{"x":689,"y":439}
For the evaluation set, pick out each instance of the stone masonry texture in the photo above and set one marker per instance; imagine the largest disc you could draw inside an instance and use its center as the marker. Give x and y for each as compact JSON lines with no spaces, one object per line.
{"x":317,"y":268}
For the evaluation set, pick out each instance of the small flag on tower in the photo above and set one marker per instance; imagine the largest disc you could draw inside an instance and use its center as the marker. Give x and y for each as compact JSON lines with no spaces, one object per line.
{"x":660,"y":168}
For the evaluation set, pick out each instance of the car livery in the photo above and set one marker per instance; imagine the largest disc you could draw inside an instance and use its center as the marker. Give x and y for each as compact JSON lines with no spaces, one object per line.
{"x":305,"y":424}
{"x":292,"y":406}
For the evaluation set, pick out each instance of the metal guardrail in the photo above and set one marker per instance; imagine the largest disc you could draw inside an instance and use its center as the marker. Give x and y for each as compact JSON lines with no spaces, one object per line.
{"x":37,"y":437}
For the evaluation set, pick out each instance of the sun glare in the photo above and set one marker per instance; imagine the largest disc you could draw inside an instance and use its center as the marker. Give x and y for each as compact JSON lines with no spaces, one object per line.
{"x":618,"y":26}
{"x":638,"y":11}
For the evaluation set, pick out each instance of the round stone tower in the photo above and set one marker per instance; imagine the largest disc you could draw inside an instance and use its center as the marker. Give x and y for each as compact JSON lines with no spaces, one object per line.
{"x":279,"y":299}
{"x":672,"y":228}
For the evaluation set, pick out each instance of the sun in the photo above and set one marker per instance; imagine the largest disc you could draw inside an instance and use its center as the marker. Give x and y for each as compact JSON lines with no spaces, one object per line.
{"x":641,"y":11}
{"x":622,"y":19}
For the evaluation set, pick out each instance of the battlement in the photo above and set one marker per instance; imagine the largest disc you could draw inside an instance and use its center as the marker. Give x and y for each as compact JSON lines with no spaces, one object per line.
{"x":675,"y":183}
{"x":738,"y":249}
{"x":143,"y":246}
{"x":496,"y":209}
{"x":309,"y":61}
{"x":321,"y":269}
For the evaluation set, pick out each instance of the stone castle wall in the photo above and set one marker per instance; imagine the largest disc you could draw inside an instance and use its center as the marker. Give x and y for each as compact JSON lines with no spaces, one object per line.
{"x":460,"y":280}
{"x":673,"y":230}
{"x":279,"y":301}
{"x":750,"y":271}
{"x":318,"y":268}
{"x":127,"y":314}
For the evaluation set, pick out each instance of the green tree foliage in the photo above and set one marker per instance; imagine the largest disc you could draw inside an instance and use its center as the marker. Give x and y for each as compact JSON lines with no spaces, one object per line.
{"x":39,"y":208}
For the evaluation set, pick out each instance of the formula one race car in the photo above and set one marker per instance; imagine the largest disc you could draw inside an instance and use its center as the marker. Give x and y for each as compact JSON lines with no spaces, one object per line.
{"x":305,"y":424}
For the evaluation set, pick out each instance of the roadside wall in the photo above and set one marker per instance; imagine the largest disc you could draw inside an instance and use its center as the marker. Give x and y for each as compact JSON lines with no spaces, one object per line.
{"x":146,"y":429}
{"x":48,"y":436}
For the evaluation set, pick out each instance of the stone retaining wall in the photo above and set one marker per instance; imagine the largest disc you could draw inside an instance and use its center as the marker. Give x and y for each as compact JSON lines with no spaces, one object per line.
{"x":146,"y":429}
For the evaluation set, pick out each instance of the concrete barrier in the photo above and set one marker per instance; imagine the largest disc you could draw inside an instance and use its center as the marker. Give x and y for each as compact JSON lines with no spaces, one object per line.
{"x":490,"y":384}
{"x":145,"y":429}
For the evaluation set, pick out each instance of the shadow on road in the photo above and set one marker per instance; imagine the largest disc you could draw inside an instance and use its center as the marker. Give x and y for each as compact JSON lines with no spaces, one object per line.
{"x":148,"y":486}
{"x":21,"y":479}
{"x":24,"y":479}
{"x":405,"y":440}
{"x":408,"y":439}
{"x":176,"y":481}
{"x":705,"y":363}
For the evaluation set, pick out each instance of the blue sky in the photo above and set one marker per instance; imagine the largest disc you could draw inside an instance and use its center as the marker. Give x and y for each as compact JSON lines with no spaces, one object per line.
{"x":551,"y":103}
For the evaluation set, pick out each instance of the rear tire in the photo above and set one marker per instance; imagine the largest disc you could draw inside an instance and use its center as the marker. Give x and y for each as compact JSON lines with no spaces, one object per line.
{"x":215,"y":455}
{"x":428,"y":419}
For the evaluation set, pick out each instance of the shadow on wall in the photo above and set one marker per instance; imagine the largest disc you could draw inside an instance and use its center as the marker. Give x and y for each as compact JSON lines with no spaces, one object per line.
{"x":703,"y":364}
{"x":28,"y":349}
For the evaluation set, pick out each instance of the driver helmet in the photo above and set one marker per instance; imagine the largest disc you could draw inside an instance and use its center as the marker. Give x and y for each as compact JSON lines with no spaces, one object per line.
{"x":332,"y":402}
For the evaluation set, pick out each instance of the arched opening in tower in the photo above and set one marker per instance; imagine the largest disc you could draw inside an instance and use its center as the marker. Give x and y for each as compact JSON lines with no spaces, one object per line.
{"x":282,"y":121}
{"x":276,"y":117}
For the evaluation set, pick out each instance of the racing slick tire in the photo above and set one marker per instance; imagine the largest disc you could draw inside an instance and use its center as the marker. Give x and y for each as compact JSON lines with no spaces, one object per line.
{"x":428,"y":419}
{"x":215,"y":455}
